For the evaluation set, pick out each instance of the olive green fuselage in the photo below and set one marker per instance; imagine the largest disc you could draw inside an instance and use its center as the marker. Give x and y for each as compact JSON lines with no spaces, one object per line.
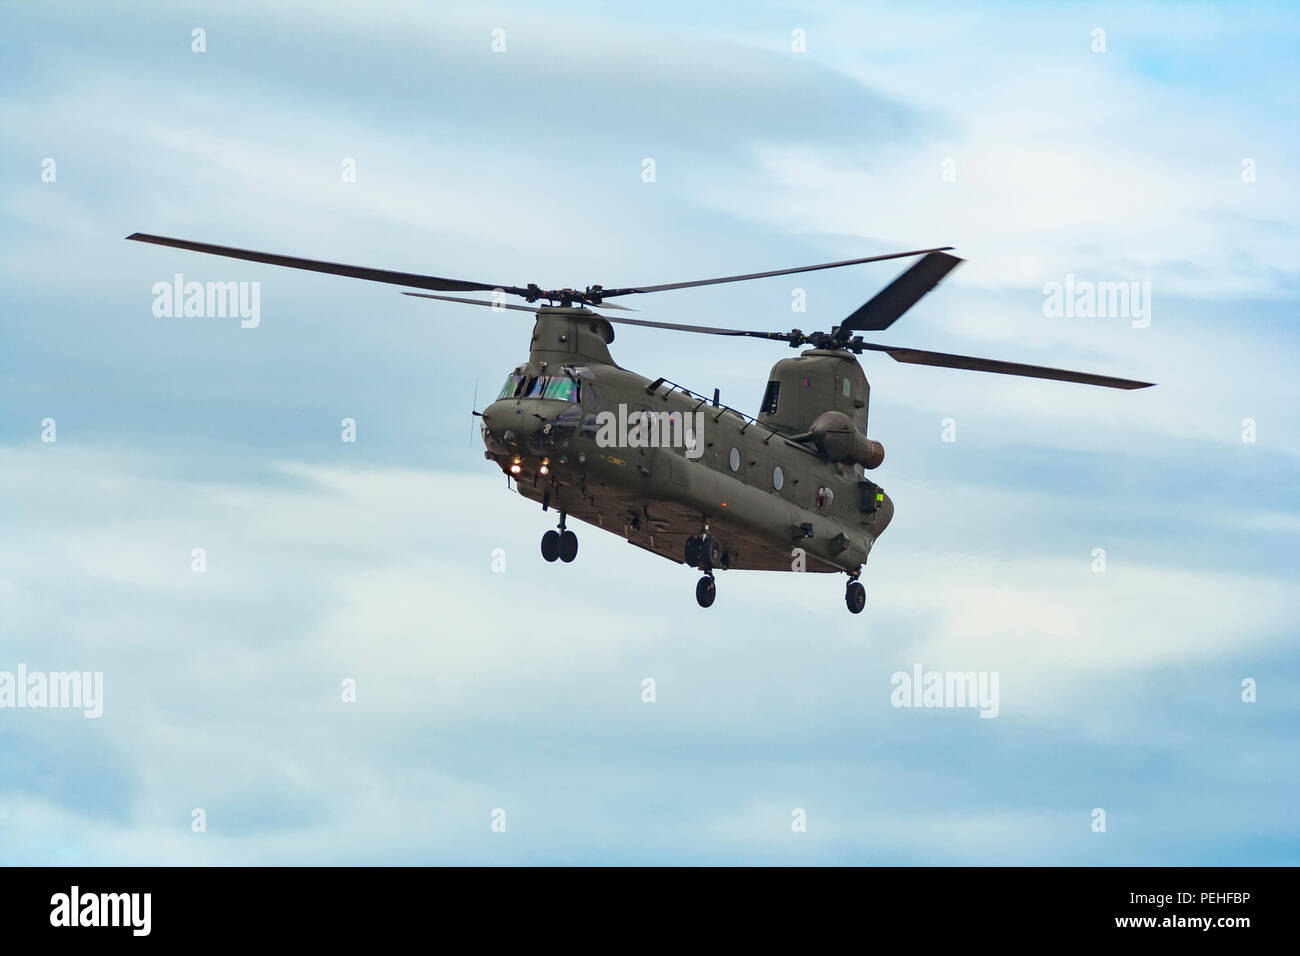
{"x":656,"y":464}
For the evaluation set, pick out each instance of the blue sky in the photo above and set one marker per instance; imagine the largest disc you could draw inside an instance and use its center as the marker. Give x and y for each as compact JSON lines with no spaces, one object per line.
{"x":373,"y":561}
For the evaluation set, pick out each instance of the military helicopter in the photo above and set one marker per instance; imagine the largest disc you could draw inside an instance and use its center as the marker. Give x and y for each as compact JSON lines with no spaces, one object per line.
{"x":672,"y":471}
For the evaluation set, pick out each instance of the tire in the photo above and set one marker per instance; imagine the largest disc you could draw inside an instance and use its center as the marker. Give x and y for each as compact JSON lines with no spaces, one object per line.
{"x":855,"y":597}
{"x":551,"y":545}
{"x":705,"y":592}
{"x":692,"y":552}
{"x":713,"y":551}
{"x":568,"y":546}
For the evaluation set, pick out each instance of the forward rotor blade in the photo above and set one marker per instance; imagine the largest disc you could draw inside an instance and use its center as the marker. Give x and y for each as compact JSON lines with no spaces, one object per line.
{"x":605,"y":294}
{"x":946,"y":360}
{"x":615,"y":305}
{"x":411,"y":279}
{"x":705,"y":329}
{"x":502,"y":305}
{"x":884,"y":309}
{"x":493,"y":305}
{"x":708,"y":330}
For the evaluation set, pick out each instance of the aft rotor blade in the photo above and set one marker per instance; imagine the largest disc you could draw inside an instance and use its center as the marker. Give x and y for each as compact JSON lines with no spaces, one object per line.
{"x":494,"y":305}
{"x":900,"y":295}
{"x":608,"y":293}
{"x":412,"y":279}
{"x":946,"y":360}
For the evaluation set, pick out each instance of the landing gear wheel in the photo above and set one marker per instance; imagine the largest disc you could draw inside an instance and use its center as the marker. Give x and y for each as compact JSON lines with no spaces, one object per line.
{"x":855,"y":596}
{"x":712,"y":551}
{"x":692,"y":554}
{"x":551,"y":545}
{"x":568,"y":546}
{"x":705,"y":591}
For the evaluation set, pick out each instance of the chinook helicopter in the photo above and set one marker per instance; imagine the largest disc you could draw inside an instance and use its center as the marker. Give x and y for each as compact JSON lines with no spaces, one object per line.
{"x":672,"y":471}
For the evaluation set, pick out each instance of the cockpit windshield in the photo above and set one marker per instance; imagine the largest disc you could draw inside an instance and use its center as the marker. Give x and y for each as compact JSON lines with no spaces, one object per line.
{"x":565,"y":389}
{"x":559,"y":387}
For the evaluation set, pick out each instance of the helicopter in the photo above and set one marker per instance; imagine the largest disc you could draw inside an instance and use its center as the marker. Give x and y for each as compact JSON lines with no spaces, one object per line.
{"x":671,"y":470}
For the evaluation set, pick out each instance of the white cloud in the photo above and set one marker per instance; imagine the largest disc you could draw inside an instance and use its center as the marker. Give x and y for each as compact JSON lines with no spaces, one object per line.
{"x":222,"y":689}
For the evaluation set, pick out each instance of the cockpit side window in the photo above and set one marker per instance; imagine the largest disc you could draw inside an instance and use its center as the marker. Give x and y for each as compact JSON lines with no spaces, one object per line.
{"x":511,"y":387}
{"x":771,"y":397}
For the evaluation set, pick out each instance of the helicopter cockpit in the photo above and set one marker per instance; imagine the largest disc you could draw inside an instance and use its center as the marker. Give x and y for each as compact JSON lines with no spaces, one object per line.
{"x":540,"y":413}
{"x":559,"y":387}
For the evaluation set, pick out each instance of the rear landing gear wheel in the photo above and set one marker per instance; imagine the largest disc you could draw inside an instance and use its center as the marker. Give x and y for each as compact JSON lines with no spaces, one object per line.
{"x":692,"y":554}
{"x":551,"y":545}
{"x":855,"y":596}
{"x":568,"y":546}
{"x":705,"y":591}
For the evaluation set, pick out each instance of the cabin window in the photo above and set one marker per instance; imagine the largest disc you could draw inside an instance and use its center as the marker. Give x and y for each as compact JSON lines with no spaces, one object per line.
{"x":735,"y":459}
{"x":771,"y":397}
{"x":778,"y":478}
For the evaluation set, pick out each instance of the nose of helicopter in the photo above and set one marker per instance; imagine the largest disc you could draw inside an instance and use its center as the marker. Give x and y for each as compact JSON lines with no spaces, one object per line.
{"x":533,"y":425}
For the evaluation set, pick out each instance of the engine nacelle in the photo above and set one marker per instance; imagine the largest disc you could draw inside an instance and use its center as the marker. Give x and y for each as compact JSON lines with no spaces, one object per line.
{"x":836,"y":438}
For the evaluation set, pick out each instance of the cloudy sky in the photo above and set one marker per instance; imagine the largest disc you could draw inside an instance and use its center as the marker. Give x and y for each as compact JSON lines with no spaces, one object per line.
{"x":1166,"y":157}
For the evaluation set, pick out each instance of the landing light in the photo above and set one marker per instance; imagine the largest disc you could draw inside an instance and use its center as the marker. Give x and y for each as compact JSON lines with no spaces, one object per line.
{"x":515,"y":467}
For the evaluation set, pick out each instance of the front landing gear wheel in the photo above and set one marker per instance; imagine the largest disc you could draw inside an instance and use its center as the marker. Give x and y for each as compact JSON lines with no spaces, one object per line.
{"x":855,"y":596}
{"x":704,"y":553}
{"x":568,"y":546}
{"x":551,"y":545}
{"x":705,"y":591}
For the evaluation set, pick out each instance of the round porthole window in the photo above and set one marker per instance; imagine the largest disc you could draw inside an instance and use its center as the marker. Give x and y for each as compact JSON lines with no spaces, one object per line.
{"x":735,"y":459}
{"x":778,"y":478}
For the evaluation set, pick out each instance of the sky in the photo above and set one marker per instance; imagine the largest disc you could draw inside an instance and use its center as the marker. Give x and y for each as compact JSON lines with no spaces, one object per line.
{"x":375,"y":665}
